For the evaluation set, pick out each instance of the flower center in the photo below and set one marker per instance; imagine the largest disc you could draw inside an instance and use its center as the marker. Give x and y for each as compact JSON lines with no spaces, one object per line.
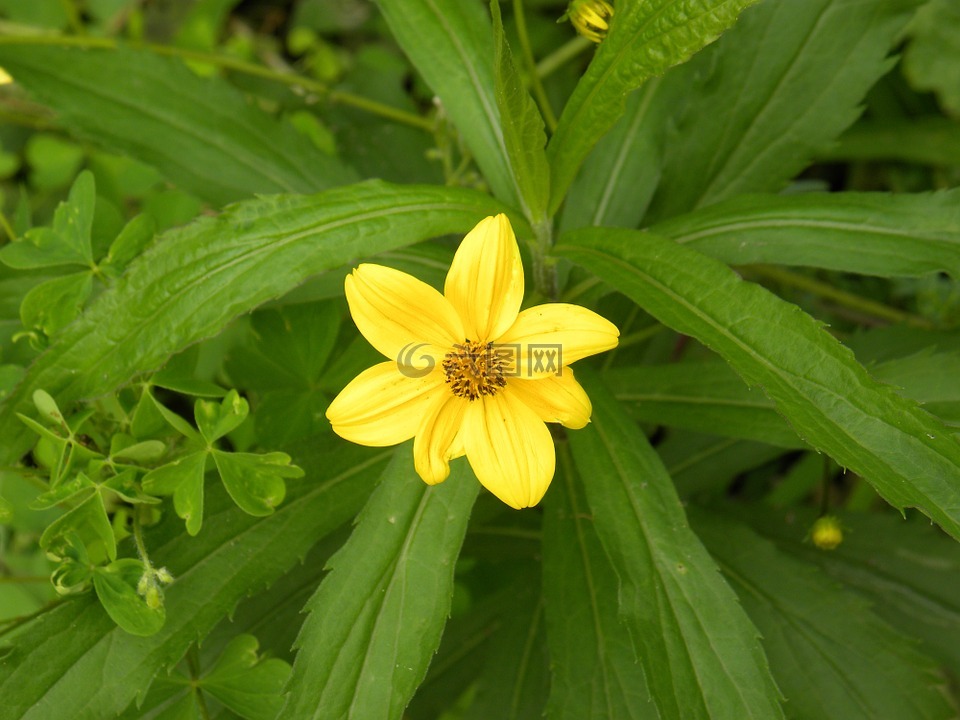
{"x":473,"y":369}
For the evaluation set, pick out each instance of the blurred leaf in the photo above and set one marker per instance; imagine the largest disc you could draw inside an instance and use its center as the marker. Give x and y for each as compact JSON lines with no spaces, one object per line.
{"x":199,"y":132}
{"x":595,"y":674}
{"x":865,"y":233}
{"x":707,"y":397}
{"x":190,"y":283}
{"x":247,"y":684}
{"x":831,"y":656}
{"x":645,"y":39}
{"x":53,"y":162}
{"x":376,"y":619}
{"x":699,"y":652}
{"x":930,"y":140}
{"x":514,"y":680}
{"x":751,"y":124}
{"x":450,"y":44}
{"x":116,"y":586}
{"x":830,"y":400}
{"x":75,"y":656}
{"x":6,"y":511}
{"x":522,"y":127}
{"x":932,"y":58}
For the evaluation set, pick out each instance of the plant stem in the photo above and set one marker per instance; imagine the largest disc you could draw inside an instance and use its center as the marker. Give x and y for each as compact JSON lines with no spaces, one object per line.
{"x":138,"y":540}
{"x":562,"y":55}
{"x":544,"y":266}
{"x":538,"y":92}
{"x":841,"y":297}
{"x":193,"y":662}
{"x":237,"y":65}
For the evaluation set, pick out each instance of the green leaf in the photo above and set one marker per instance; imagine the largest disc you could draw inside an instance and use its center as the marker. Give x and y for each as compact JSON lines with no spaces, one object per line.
{"x":645,"y":39}
{"x":192,"y":281}
{"x":706,"y":465}
{"x":131,"y":241}
{"x":214,"y":420}
{"x":62,"y":492}
{"x":89,"y":521}
{"x":255,"y":482}
{"x":831,"y":656}
{"x":777,"y":89}
{"x":514,"y":682}
{"x":47,"y":407}
{"x":829,"y":399}
{"x":146,"y":451}
{"x":932,"y":59}
{"x":927,"y":140}
{"x":866,"y":233}
{"x":595,"y":675}
{"x":376,"y":620}
{"x":182,"y":478}
{"x":522,"y":127}
{"x":68,"y":241}
{"x":699,"y":652}
{"x":54,"y":304}
{"x":6,"y":511}
{"x":116,"y":586}
{"x":247,"y":684}
{"x":199,"y":133}
{"x":909,"y":571}
{"x":707,"y":397}
{"x":450,"y":44}
{"x":75,"y":656}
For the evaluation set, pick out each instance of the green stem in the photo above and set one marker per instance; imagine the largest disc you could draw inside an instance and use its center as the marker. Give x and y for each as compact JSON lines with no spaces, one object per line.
{"x":138,"y":540}
{"x":193,"y":662}
{"x":562,"y":55}
{"x":549,"y":118}
{"x":237,"y":65}
{"x":544,"y":266}
{"x":7,"y":227}
{"x":841,"y":297}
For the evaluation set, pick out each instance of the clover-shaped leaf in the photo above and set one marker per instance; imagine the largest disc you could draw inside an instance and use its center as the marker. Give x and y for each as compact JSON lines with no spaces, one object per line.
{"x":75,"y":570}
{"x":255,"y":482}
{"x":217,"y":419}
{"x":88,"y":520}
{"x":246,"y":683}
{"x":67,"y":242}
{"x":117,"y":587}
{"x":182,"y":478}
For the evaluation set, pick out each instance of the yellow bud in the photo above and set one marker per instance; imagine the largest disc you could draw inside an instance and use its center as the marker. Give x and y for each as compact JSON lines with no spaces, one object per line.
{"x":827,"y":532}
{"x":591,"y":18}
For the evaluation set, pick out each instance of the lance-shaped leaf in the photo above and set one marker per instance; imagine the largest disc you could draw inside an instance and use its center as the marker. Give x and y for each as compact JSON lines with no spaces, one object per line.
{"x":773,"y":92}
{"x":866,"y":233}
{"x":646,"y":37}
{"x":376,"y":620}
{"x":700,"y":653}
{"x":831,"y":655}
{"x":75,"y":656}
{"x":450,"y":43}
{"x":194,"y":280}
{"x":595,"y":675}
{"x":199,"y":133}
{"x":830,"y":399}
{"x":522,"y":127}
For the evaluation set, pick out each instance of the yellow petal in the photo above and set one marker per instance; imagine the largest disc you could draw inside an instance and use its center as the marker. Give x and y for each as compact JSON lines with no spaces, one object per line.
{"x":381,"y":406}
{"x":400,"y":315}
{"x":509,"y":448}
{"x":554,"y":398}
{"x":546,"y":337}
{"x":435,"y":445}
{"x":485,"y":281}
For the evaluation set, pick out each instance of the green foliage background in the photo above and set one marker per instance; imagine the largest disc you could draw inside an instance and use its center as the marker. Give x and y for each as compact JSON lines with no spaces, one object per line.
{"x":763,"y":195}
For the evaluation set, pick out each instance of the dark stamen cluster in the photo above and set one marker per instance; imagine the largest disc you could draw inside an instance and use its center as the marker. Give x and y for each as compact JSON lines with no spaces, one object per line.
{"x":473,"y":369}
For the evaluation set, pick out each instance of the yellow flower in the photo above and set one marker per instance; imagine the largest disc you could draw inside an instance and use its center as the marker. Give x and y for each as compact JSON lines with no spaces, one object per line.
{"x":590,"y":18}
{"x":469,"y":373}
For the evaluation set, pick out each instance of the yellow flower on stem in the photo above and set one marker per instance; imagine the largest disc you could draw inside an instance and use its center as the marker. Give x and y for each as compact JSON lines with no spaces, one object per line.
{"x":469,"y":372}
